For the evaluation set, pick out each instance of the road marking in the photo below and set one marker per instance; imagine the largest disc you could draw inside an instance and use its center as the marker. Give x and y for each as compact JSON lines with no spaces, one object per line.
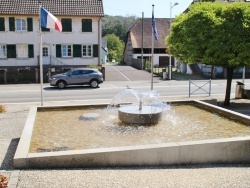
{"x":103,"y":87}
{"x":17,"y":91}
{"x":107,"y":100}
{"x":122,"y":74}
{"x":148,"y":86}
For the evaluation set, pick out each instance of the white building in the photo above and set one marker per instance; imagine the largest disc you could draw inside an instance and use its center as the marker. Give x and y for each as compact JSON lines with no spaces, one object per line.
{"x":79,"y":43}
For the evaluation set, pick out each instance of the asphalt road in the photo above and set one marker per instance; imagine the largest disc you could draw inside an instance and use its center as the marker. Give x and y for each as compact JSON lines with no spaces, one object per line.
{"x":117,"y":79}
{"x":126,"y":73}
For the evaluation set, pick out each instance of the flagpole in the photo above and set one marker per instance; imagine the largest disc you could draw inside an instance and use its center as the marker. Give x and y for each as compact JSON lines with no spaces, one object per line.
{"x":142,"y":41}
{"x":152,"y":51}
{"x":40,"y":53}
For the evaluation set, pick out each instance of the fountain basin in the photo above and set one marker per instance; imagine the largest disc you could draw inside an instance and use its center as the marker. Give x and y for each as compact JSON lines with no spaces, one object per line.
{"x":212,"y":151}
{"x":146,"y":116}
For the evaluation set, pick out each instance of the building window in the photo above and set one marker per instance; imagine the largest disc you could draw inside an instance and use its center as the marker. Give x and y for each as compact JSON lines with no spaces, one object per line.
{"x":3,"y":51}
{"x":21,"y":24}
{"x":11,"y":51}
{"x":86,"y":50}
{"x":95,"y":50}
{"x":86,"y":25}
{"x":66,"y":25}
{"x":22,"y":50}
{"x":29,"y":24}
{"x":31,"y":50}
{"x":66,"y":50}
{"x":2,"y":25}
{"x":45,"y":52}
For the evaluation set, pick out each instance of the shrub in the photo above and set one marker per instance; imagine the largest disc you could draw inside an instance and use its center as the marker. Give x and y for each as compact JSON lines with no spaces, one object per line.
{"x":148,"y":65}
{"x":95,"y":67}
{"x":3,"y":108}
{"x":3,"y":181}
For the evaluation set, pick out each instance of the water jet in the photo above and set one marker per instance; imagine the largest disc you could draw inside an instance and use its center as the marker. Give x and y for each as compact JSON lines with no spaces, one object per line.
{"x":148,"y":111}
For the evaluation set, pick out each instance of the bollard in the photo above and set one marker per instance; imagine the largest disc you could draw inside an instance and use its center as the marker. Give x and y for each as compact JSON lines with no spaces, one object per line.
{"x":103,"y":72}
{"x":164,"y":75}
{"x":5,"y":76}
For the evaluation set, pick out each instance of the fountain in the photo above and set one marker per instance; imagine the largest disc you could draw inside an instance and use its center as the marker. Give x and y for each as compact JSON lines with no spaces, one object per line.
{"x":146,"y":111}
{"x":135,"y":129}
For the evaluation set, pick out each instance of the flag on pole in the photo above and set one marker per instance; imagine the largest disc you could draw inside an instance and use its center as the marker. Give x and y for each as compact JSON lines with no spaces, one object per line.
{"x":154,"y":26}
{"x":48,"y":20}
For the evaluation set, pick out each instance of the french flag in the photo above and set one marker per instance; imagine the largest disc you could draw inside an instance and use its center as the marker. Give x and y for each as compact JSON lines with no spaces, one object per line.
{"x":50,"y":21}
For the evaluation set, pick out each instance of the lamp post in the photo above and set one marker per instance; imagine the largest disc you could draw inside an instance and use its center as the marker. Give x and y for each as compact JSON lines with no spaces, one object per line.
{"x":170,"y":63}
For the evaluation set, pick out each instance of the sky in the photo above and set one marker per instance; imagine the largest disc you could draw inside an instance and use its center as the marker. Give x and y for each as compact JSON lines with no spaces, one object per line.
{"x":136,"y":7}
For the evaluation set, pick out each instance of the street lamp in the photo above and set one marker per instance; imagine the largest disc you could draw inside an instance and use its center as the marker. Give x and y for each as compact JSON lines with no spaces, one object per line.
{"x":170,"y":63}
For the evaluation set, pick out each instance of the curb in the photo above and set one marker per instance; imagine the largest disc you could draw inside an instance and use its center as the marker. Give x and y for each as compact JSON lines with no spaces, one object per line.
{"x":13,"y":179}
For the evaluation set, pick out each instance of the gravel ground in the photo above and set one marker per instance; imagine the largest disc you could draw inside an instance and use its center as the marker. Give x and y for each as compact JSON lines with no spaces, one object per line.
{"x":11,"y":126}
{"x":12,"y":123}
{"x":174,"y":177}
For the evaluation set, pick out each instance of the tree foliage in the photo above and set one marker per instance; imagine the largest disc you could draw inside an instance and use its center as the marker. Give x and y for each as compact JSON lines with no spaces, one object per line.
{"x":117,"y":25}
{"x":213,"y":34}
{"x":115,"y":29}
{"x":115,"y":47}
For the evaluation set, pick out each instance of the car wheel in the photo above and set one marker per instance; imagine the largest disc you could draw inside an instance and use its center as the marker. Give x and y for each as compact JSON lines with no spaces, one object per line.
{"x":94,"y":83}
{"x":61,"y":84}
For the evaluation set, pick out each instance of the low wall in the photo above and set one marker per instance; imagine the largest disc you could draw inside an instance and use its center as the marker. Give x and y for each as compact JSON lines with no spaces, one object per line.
{"x":219,"y":151}
{"x":246,"y":93}
{"x":214,"y":151}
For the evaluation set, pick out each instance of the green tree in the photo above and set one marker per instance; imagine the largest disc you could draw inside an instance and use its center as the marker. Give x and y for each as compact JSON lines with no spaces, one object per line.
{"x":115,"y":47}
{"x":118,"y":30}
{"x":117,"y":25}
{"x":213,"y":34}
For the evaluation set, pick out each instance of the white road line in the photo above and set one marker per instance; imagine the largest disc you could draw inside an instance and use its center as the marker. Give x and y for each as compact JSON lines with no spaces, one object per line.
{"x":17,"y":91}
{"x":122,"y":74}
{"x":148,"y":86}
{"x":106,"y":87}
{"x":97,"y":101}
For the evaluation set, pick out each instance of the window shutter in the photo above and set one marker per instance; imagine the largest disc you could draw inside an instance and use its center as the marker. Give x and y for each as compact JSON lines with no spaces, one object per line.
{"x":2,"y":26}
{"x":86,"y":25}
{"x":31,"y":50}
{"x":11,"y":23}
{"x":77,"y":50}
{"x":95,"y":50}
{"x":58,"y":50}
{"x":66,"y":25}
{"x":11,"y":51}
{"x":45,"y":29}
{"x":30,"y":24}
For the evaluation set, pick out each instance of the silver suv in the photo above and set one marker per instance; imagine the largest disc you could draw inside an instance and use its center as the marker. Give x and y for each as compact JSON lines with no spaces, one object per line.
{"x":77,"y":76}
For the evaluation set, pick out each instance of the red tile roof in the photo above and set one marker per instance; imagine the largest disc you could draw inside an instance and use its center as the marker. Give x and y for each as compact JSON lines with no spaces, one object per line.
{"x":56,"y":7}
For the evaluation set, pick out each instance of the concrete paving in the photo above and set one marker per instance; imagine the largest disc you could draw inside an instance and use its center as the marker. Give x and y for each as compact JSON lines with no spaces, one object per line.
{"x":11,"y":125}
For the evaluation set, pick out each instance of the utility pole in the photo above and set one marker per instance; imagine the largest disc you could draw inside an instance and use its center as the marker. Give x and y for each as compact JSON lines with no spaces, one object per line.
{"x":170,"y":56}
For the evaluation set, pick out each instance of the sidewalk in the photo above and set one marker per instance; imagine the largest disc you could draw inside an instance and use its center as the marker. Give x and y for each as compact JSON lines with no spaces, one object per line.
{"x":12,"y":123}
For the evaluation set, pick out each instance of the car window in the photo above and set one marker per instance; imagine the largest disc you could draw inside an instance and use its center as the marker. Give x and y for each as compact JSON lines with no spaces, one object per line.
{"x":76,"y":72}
{"x":68,"y":72}
{"x":87,"y":71}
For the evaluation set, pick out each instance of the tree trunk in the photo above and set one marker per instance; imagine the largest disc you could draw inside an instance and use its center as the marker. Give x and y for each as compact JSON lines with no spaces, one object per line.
{"x":229,"y":83}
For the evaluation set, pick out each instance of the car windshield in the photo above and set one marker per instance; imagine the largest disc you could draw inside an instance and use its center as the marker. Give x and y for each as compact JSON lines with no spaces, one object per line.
{"x":68,"y":72}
